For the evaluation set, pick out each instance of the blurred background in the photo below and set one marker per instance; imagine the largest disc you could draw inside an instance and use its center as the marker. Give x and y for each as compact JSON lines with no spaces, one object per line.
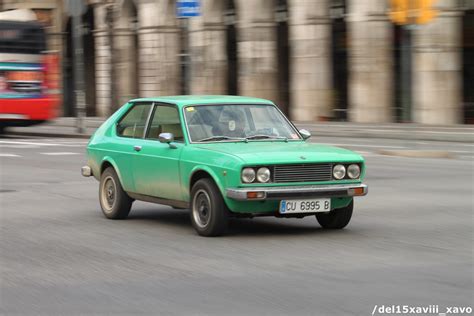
{"x":367,"y":61}
{"x":390,"y":80}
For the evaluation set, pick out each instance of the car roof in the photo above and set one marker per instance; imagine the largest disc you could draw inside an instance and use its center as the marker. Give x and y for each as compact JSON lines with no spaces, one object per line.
{"x":184,"y":100}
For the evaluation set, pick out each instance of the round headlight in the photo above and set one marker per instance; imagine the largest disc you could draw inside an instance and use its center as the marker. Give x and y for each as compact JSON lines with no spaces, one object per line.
{"x":339,"y":172}
{"x":248,"y":175}
{"x":353,"y":171}
{"x":263,"y":174}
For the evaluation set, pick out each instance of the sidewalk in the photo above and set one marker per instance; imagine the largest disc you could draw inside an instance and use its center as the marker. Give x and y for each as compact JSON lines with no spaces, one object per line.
{"x":65,"y":127}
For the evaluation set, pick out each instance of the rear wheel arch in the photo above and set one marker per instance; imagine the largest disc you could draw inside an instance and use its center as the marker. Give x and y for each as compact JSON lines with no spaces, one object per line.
{"x":106,"y":163}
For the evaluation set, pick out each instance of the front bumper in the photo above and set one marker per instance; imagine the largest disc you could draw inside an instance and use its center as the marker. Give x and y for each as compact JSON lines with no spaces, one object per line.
{"x":296,"y":192}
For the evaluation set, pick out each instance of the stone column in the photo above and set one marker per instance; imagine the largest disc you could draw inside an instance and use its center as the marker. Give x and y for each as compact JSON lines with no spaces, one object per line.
{"x":158,"y":46}
{"x":310,"y":35}
{"x":125,"y":49}
{"x":370,"y":62}
{"x":437,"y":67}
{"x":208,"y":50}
{"x":256,"y":32}
{"x":102,"y":62}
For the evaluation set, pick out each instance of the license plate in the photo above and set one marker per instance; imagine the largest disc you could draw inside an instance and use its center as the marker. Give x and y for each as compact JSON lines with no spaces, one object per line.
{"x":305,"y":206}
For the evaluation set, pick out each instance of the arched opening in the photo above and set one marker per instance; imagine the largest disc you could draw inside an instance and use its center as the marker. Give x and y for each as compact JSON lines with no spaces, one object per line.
{"x":402,"y":54}
{"x":231,"y":48}
{"x":68,"y":75}
{"x":468,"y":66}
{"x":402,"y":68}
{"x":283,"y":55}
{"x":89,"y":66}
{"x":339,"y":59}
{"x":89,"y":61}
{"x":126,"y":51}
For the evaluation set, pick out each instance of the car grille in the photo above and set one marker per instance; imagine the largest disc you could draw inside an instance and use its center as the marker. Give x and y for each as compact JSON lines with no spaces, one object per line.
{"x":302,"y":173}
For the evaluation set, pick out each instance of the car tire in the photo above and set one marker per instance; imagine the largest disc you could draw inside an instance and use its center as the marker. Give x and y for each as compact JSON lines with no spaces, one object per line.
{"x":114,"y":201}
{"x":209,"y":213}
{"x":336,"y":219}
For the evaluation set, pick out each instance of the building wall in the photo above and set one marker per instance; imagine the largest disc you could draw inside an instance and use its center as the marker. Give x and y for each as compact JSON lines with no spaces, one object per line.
{"x":147,"y":56}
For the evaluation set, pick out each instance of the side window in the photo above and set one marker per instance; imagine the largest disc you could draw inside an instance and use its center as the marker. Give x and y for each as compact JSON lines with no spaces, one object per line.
{"x":134,"y":122}
{"x":165,"y":120}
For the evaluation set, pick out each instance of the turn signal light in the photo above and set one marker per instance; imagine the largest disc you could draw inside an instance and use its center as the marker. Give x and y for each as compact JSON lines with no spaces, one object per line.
{"x":357,"y":191}
{"x":255,"y":195}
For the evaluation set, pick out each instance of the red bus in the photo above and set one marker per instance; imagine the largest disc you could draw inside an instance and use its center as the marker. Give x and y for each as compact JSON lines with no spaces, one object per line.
{"x":29,"y":75}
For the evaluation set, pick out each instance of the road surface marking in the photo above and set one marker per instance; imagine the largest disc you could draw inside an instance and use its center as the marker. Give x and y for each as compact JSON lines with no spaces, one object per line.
{"x":26,"y":143}
{"x":60,"y":153}
{"x":461,"y":151}
{"x":9,"y":155}
{"x":356,"y":145}
{"x":364,"y":152}
{"x":8,"y":142}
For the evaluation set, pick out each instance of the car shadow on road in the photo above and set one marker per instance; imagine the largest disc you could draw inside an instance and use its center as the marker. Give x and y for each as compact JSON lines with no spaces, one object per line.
{"x":267,"y":226}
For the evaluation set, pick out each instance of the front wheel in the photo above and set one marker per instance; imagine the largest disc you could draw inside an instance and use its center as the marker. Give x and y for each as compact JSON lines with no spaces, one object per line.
{"x":114,"y":201}
{"x":209,"y":213}
{"x":336,"y":219}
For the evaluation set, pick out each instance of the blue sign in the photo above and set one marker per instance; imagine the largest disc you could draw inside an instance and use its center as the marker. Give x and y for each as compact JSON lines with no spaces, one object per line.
{"x":187,"y":8}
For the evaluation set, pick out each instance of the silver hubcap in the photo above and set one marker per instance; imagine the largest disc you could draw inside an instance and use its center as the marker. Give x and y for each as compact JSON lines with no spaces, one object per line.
{"x":108,"y":194}
{"x":201,"y":208}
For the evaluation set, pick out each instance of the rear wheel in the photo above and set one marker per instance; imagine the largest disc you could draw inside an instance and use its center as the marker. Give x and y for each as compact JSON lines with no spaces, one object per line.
{"x":209,"y":213}
{"x":336,"y":219}
{"x":114,"y":201}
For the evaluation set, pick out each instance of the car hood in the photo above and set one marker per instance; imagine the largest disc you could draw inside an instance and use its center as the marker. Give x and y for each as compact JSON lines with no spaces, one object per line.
{"x":279,"y":152}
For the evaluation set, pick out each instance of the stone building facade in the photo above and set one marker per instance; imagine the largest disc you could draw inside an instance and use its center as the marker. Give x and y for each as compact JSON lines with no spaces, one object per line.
{"x":317,"y":59}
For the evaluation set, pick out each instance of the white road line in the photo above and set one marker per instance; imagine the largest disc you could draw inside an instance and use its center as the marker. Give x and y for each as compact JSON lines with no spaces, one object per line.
{"x":9,"y":155}
{"x":19,"y":146}
{"x":60,"y":153}
{"x":9,"y":143}
{"x":461,"y":151}
{"x":364,"y":152}
{"x":355,"y":145}
{"x":27,"y":143}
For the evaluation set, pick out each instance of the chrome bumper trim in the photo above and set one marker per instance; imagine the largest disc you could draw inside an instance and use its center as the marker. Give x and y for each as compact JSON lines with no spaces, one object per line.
{"x":297,"y":192}
{"x":86,"y":171}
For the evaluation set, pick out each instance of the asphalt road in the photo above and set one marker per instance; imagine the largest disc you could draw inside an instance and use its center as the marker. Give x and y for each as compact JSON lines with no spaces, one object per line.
{"x":410,"y":242}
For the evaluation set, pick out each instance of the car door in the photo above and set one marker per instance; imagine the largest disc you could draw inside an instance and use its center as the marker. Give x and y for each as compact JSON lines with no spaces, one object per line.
{"x":156,"y":165}
{"x":129,"y":128}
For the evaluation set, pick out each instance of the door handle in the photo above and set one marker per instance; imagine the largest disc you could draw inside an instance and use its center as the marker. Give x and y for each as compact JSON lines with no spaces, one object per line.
{"x":137,"y":148}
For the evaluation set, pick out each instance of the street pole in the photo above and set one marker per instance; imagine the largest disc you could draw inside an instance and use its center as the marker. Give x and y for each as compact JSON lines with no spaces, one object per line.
{"x":185,"y":56}
{"x":79,"y":73}
{"x":186,"y":9}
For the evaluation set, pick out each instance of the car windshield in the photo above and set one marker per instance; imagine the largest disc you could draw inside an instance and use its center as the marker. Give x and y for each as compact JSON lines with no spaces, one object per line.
{"x":210,"y":123}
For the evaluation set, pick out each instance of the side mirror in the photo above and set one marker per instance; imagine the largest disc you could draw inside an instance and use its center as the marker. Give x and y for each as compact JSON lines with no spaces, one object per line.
{"x":167,"y":138}
{"x":305,"y":134}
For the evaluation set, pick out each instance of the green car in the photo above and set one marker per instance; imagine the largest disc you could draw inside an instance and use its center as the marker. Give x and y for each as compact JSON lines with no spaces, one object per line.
{"x":220,"y":157}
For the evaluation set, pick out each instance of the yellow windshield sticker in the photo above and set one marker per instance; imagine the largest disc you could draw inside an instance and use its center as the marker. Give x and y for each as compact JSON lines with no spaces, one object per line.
{"x":190,"y":108}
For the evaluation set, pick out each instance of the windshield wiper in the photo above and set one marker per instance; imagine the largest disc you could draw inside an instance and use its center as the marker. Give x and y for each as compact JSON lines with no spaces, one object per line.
{"x":220,"y":137}
{"x":262,"y":136}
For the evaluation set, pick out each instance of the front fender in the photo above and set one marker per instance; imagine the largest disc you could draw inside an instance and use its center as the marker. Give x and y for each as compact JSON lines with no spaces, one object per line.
{"x":216,"y":176}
